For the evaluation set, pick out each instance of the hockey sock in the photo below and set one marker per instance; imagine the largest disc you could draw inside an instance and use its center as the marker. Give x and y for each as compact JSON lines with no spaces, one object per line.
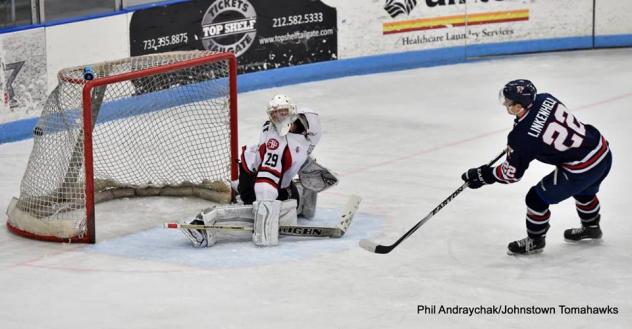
{"x":538,"y":215}
{"x":587,"y":209}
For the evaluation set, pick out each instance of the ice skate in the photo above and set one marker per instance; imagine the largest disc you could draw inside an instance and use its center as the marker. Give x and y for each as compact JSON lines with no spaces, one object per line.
{"x":526,"y":246}
{"x":583,"y":233}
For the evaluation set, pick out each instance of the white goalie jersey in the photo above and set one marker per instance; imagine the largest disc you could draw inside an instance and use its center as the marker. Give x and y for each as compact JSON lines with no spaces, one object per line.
{"x":277,"y":159}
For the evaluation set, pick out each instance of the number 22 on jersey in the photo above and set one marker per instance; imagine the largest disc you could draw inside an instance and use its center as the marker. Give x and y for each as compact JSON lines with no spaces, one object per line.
{"x":564,"y":125}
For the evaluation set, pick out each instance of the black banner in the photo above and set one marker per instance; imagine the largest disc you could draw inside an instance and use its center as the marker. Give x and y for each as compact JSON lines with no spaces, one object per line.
{"x":264,"y":34}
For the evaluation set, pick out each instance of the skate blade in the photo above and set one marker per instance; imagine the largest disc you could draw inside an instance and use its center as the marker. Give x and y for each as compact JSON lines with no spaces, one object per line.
{"x":585,"y":241}
{"x":533,"y":252}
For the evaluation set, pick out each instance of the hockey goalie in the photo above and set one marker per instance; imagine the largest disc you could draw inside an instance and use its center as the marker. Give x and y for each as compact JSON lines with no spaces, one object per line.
{"x":269,"y":196}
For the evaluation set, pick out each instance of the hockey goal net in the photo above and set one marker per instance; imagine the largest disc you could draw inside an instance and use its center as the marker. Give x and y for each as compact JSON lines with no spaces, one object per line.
{"x":155,"y":125}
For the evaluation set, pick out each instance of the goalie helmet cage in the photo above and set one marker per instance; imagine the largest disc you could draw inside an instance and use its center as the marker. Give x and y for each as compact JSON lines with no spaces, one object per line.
{"x":155,"y":125}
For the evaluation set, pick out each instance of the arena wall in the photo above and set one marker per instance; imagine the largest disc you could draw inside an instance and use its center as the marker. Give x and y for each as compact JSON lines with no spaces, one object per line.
{"x":293,"y":42}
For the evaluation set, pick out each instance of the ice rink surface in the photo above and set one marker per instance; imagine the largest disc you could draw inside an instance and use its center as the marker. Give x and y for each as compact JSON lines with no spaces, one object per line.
{"x":401,"y":141}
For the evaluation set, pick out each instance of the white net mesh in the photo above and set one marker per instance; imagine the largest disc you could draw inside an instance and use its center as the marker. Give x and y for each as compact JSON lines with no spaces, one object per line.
{"x":161,"y":133}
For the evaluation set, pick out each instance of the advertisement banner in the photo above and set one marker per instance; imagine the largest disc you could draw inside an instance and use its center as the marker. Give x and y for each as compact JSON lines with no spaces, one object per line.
{"x":23,"y":78}
{"x":388,"y":26}
{"x":264,"y":34}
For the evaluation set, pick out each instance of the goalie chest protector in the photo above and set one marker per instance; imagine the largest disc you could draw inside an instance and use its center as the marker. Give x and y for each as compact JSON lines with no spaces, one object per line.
{"x":283,"y":156}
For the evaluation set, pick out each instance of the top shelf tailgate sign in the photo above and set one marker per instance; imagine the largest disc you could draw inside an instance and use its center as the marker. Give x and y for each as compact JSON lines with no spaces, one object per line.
{"x":263,"y":34}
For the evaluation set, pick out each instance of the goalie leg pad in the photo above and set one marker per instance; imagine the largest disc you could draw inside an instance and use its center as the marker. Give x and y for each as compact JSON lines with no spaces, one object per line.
{"x":245,"y":214}
{"x":211,"y":216}
{"x":287,"y":216}
{"x":315,"y":177}
{"x":266,"y":229}
{"x":239,"y":213}
{"x":307,"y":202}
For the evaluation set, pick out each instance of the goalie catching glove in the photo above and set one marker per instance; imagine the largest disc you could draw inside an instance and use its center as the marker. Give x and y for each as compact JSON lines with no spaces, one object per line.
{"x":477,"y":177}
{"x":313,"y":176}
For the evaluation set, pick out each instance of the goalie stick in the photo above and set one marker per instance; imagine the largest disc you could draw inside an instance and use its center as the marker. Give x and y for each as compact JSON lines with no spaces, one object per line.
{"x":385,"y":249}
{"x":295,"y":230}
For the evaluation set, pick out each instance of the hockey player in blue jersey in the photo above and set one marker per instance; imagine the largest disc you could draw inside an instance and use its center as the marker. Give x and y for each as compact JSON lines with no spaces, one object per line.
{"x":546,"y":131}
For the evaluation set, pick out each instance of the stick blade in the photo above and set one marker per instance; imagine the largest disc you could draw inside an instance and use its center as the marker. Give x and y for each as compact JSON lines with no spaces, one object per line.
{"x":374,"y":247}
{"x":368,"y":245}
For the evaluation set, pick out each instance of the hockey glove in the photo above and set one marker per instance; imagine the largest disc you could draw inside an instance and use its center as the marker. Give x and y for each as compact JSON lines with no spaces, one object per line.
{"x":477,"y":177}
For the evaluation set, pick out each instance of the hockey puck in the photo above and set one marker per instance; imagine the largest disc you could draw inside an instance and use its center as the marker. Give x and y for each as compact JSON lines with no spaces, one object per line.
{"x":88,"y":74}
{"x":38,"y":131}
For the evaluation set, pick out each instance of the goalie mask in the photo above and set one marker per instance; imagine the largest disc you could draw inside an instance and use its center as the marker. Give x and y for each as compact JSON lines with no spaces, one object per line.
{"x":282,"y":113}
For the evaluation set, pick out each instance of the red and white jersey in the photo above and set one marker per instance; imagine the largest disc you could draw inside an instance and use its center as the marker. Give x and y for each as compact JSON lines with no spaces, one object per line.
{"x":277,"y":159}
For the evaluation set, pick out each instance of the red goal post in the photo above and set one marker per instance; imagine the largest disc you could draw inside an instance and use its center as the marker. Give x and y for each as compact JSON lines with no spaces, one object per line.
{"x":154,"y":125}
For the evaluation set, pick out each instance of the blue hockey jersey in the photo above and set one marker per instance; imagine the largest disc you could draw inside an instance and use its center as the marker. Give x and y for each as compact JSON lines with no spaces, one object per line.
{"x":549,"y":133}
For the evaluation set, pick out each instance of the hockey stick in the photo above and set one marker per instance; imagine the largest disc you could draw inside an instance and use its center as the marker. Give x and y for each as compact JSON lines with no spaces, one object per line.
{"x":385,"y":249}
{"x":305,"y":231}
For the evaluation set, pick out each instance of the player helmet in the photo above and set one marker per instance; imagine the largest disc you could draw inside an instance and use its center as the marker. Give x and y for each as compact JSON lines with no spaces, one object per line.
{"x":520,"y":91}
{"x":282,"y":113}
